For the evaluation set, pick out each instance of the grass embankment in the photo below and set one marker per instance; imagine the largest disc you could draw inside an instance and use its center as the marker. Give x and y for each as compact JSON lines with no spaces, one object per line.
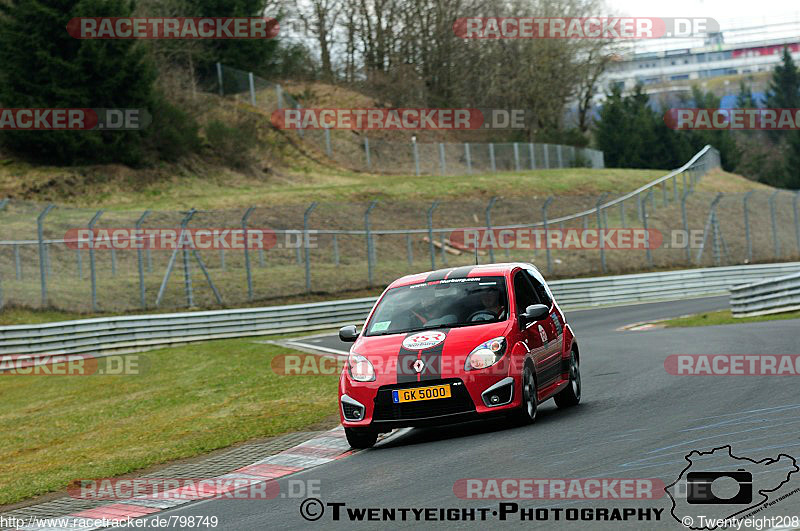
{"x":188,"y":401}
{"x":724,"y":317}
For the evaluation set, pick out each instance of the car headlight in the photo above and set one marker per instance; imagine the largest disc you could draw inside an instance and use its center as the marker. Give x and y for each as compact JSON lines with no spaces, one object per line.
{"x":360,"y":368}
{"x":486,"y":354}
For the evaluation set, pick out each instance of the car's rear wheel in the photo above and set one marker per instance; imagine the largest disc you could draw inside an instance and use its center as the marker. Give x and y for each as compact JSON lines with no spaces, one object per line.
{"x":571,"y":395}
{"x":530,"y":403}
{"x":360,"y":438}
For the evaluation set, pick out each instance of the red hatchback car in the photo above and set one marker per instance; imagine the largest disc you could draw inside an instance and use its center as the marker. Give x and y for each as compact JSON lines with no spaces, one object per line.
{"x":455,"y":344}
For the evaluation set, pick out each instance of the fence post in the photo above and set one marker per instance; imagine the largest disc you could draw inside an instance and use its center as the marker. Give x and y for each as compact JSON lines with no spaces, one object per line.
{"x":17,"y":262}
{"x":544,"y":223}
{"x":489,"y":225}
{"x":622,"y":213}
{"x":415,"y":150}
{"x":796,"y":219}
{"x":444,"y":249}
{"x":685,"y":220}
{"x":301,"y":129}
{"x":748,"y":241}
{"x":366,"y":152}
{"x":92,"y":266}
{"x":42,"y":251}
{"x":492,"y":161}
{"x":140,"y":265}
{"x":409,"y":250}
{"x":648,"y":253}
{"x":664,"y":195}
{"x":468,"y":156}
{"x":328,"y":149}
{"x":516,"y":157}
{"x":369,"y":241}
{"x":442,"y":164}
{"x":279,"y":91}
{"x":307,"y":256}
{"x":775,"y":240}
{"x":252,"y":84}
{"x":187,"y":274}
{"x":708,"y":226}
{"x":546,"y":156}
{"x":430,"y":233}
{"x":335,"y":250}
{"x":219,"y":79}
{"x":560,"y":158}
{"x":533,"y":158}
{"x":599,"y":212}
{"x":245,"y":218}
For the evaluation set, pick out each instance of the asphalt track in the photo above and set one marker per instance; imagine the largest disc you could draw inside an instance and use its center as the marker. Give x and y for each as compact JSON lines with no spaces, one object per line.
{"x":635,"y":421}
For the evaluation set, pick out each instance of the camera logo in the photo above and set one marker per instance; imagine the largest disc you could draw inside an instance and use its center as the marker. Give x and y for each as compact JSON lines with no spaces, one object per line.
{"x":699,"y":487}
{"x":717,"y":486}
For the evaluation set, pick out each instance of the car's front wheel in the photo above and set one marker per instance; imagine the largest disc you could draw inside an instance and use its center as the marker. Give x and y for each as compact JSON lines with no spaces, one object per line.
{"x":530,"y":403}
{"x":360,"y":438}
{"x":571,"y":394}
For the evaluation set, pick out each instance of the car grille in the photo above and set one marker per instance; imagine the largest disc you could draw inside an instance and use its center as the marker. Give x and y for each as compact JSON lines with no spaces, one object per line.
{"x":387,"y":410}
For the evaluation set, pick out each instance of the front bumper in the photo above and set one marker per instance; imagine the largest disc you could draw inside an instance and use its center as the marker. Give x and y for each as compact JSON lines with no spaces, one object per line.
{"x":362,"y":406}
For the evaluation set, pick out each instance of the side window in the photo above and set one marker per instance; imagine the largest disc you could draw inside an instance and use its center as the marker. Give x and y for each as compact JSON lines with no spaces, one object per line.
{"x":523,"y":292}
{"x":541,"y":291}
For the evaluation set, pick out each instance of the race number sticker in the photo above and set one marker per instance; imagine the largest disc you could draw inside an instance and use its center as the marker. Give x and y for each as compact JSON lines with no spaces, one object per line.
{"x":542,"y":334}
{"x":423,"y":340}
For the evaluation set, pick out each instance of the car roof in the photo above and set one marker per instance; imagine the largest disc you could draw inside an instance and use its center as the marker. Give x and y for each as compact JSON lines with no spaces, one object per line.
{"x":501,"y":269}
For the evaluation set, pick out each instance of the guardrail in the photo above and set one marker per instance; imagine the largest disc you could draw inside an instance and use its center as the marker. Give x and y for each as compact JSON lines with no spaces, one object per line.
{"x":776,"y":295}
{"x":114,"y":335}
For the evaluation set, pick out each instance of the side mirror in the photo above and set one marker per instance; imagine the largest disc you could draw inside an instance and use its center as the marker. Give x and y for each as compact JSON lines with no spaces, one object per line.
{"x":348,"y":333}
{"x":535,"y":312}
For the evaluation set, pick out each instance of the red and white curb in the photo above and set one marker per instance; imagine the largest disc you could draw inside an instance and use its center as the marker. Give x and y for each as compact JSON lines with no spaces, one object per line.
{"x":322,"y":449}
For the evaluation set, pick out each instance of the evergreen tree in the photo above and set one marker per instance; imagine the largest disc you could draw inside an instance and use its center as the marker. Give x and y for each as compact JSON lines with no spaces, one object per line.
{"x":745,"y":100}
{"x":784,"y":88}
{"x":44,"y":67}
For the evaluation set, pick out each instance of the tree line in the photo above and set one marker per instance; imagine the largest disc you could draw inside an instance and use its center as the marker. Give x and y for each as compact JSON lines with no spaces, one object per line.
{"x":632,"y":132}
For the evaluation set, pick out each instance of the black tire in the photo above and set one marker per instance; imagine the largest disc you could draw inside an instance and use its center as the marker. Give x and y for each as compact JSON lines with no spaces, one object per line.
{"x":530,"y":402}
{"x":571,"y":395}
{"x":361,"y":438}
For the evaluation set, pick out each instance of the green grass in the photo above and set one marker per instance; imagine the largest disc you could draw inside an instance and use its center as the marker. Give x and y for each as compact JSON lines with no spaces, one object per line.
{"x":723,"y":317}
{"x":189,"y":400}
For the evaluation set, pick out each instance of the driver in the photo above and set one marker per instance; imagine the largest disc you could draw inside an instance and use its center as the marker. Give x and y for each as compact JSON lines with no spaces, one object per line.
{"x":491,"y":302}
{"x":426,"y":309}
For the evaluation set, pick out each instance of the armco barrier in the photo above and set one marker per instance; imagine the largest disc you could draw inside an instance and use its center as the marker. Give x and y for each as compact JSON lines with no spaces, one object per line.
{"x":776,"y":295}
{"x":135,"y":333}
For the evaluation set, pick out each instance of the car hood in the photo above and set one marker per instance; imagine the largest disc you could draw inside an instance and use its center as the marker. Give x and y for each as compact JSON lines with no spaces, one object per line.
{"x":438,"y":353}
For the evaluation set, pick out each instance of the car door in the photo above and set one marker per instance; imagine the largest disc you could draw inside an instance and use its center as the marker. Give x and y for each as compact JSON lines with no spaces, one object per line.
{"x":554,"y":328}
{"x":535,"y":334}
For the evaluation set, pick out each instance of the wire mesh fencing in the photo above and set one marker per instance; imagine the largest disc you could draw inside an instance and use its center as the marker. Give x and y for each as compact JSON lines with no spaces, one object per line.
{"x":354,"y":149}
{"x":94,"y":261}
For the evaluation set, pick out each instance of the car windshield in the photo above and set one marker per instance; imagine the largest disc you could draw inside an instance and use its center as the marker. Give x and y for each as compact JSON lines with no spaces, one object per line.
{"x":440,"y":304}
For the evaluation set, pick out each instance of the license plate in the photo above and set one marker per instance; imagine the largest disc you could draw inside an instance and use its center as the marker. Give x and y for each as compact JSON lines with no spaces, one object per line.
{"x":421,"y":393}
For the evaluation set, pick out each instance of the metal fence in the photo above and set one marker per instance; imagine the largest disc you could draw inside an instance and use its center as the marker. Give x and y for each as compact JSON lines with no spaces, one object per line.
{"x":372,"y":154}
{"x":135,"y":333}
{"x":352,"y":246}
{"x":776,"y":295}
